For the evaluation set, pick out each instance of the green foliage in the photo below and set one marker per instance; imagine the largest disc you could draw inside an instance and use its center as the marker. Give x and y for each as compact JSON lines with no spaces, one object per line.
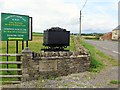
{"x":115,"y":82}
{"x":59,"y":78}
{"x":40,"y":82}
{"x":96,"y":65}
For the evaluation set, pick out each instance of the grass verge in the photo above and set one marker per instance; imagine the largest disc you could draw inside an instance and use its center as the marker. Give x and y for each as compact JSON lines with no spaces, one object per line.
{"x":98,"y":59}
{"x":96,"y":64}
{"x":114,"y":82}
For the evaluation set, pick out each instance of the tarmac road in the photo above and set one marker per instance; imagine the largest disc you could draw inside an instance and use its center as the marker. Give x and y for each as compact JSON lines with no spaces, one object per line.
{"x":108,"y":47}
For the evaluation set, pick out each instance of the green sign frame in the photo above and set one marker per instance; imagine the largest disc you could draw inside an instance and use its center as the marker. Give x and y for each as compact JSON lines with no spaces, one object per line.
{"x":15,"y":27}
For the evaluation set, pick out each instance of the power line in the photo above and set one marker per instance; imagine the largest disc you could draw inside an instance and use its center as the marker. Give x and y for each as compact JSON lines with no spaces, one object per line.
{"x":84,"y":5}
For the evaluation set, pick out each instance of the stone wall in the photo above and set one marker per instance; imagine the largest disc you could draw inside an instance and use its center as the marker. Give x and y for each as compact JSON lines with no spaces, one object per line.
{"x":47,"y":64}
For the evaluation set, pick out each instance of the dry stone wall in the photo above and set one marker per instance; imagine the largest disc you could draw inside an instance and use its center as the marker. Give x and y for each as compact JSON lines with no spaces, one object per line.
{"x":56,"y":66}
{"x":52,"y":64}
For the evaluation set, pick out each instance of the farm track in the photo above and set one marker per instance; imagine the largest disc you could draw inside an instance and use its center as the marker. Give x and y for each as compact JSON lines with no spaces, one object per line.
{"x":79,"y":80}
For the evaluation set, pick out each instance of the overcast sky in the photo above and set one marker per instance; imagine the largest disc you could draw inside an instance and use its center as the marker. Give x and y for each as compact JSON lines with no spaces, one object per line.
{"x":97,"y":16}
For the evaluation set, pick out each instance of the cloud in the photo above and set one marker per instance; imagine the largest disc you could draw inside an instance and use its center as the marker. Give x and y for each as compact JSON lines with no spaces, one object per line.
{"x":64,"y":13}
{"x":102,"y":16}
{"x":45,"y":13}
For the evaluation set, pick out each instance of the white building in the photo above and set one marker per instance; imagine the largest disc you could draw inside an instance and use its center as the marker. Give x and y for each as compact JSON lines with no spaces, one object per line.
{"x":116,"y":33}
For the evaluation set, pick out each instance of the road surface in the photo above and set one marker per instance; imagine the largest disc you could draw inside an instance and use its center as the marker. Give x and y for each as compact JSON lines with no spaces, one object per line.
{"x":108,"y":47}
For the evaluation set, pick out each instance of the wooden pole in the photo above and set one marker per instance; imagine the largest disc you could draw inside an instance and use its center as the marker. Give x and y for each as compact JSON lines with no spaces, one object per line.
{"x":18,"y":59}
{"x":16,"y":46}
{"x":26,"y":43}
{"x":22,"y":45}
{"x":80,"y":23}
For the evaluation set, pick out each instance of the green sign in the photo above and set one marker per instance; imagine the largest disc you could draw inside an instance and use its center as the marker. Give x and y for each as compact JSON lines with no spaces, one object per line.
{"x":14,"y":27}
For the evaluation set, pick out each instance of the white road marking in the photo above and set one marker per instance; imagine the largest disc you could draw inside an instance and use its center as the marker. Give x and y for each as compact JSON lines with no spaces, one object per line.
{"x":116,"y":52}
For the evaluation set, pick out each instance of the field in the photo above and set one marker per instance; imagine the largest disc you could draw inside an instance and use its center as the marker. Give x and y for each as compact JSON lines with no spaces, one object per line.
{"x":89,"y":37}
{"x":35,"y":45}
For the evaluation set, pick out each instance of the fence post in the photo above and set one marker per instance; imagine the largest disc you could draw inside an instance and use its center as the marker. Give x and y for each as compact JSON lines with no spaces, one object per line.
{"x":26,"y":57}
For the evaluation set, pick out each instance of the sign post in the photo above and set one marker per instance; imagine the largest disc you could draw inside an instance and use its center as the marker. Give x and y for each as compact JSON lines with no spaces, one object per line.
{"x":7,"y":53}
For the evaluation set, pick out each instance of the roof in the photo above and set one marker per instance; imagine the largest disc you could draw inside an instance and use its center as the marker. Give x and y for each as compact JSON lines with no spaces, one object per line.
{"x":117,"y":28}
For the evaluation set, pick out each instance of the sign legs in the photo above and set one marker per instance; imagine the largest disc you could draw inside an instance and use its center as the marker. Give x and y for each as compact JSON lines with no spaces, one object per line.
{"x":7,"y":53}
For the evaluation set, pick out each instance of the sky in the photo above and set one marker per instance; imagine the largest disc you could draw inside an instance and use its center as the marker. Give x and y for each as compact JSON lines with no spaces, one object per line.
{"x":98,"y":16}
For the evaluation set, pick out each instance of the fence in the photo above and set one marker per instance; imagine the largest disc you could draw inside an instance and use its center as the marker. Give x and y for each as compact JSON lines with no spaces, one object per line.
{"x":18,"y":69}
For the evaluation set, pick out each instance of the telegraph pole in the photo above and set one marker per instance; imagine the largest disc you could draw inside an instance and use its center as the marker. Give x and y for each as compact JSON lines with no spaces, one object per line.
{"x":80,"y":24}
{"x":81,"y":18}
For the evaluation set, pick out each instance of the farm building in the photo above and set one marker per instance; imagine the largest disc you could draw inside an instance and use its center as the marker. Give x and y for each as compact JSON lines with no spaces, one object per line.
{"x":116,"y":33}
{"x":107,"y":36}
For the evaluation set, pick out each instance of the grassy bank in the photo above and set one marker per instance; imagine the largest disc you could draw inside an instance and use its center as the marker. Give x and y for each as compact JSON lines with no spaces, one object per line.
{"x":98,"y":59}
{"x":96,"y":65}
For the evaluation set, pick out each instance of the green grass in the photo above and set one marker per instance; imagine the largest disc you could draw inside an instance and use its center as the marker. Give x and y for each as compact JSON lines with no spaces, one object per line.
{"x":37,"y":34}
{"x":114,"y":82}
{"x":59,"y":78}
{"x":96,"y":64}
{"x":98,"y":59}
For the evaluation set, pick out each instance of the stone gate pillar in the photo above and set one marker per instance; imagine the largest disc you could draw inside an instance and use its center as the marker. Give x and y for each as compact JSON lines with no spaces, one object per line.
{"x":27,"y":56}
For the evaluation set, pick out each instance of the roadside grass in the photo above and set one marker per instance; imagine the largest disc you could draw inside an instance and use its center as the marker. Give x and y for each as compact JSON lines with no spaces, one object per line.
{"x":95,"y":65}
{"x":114,"y":82}
{"x":107,"y":59}
{"x":98,"y":59}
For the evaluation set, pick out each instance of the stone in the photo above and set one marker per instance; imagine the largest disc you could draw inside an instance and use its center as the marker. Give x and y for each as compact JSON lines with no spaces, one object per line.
{"x":48,"y":65}
{"x":53,"y":63}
